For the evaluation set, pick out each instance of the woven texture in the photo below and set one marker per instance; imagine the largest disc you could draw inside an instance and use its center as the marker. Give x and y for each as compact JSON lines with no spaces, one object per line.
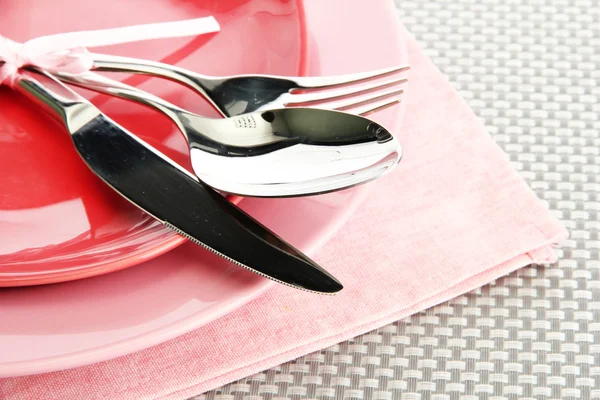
{"x":530,"y":69}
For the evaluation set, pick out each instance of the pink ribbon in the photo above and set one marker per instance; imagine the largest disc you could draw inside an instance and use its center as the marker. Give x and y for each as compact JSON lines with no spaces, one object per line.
{"x":67,"y":52}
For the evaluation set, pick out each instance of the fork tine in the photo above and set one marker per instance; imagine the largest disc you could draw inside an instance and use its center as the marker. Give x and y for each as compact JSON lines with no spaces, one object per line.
{"x":342,"y":92}
{"x":375,"y":107}
{"x":359,"y":100}
{"x":307,"y":82}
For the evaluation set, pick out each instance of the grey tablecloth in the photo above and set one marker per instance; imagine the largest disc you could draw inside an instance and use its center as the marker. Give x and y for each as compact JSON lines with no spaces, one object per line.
{"x":530,"y":69}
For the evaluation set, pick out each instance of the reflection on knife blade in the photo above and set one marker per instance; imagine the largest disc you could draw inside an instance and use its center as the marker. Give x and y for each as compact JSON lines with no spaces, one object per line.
{"x":169,"y":193}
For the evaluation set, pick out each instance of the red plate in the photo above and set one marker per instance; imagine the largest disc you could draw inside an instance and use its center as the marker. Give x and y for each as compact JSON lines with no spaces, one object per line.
{"x":53,"y":327}
{"x":58,"y":221}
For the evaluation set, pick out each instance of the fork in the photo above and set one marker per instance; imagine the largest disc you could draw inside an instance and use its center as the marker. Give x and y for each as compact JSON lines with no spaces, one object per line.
{"x":241,"y":94}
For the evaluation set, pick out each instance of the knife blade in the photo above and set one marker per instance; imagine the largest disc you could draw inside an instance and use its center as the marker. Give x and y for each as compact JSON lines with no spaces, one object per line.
{"x":169,"y":193}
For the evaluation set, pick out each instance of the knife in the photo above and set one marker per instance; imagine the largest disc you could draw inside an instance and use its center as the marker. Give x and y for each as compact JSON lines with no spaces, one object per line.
{"x":169,"y":193}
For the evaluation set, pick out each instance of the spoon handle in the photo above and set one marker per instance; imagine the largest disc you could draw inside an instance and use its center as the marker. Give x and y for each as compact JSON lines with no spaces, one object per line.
{"x":102,"y":84}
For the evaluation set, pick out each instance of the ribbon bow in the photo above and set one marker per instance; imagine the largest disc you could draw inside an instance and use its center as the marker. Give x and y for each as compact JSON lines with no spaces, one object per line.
{"x":67,"y":52}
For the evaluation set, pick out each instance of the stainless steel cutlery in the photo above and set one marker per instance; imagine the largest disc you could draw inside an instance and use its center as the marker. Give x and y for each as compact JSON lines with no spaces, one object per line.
{"x":274,"y":142}
{"x":276,"y":153}
{"x":166,"y":191}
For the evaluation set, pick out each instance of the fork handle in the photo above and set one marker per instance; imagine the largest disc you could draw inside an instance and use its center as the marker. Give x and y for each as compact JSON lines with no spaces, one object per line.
{"x":197,"y":82}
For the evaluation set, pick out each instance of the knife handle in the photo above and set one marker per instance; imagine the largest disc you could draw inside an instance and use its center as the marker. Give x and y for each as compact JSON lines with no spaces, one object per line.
{"x":62,"y":103}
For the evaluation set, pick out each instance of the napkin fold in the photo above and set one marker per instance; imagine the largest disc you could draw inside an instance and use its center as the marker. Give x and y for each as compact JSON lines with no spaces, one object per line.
{"x":452,"y":217}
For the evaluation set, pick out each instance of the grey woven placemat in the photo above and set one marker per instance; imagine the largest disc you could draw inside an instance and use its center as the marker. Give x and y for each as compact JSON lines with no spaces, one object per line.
{"x":530,"y":69}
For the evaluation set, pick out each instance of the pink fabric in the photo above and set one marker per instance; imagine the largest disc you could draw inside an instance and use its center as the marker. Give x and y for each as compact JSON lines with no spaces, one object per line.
{"x":66,"y":52}
{"x":452,"y":217}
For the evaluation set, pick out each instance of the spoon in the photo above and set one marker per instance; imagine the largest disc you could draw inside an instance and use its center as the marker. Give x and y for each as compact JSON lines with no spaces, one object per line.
{"x":275,"y":153}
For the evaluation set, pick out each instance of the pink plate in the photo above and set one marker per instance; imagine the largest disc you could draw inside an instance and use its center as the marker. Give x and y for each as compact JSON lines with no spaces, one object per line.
{"x":58,"y":221}
{"x":53,"y":327}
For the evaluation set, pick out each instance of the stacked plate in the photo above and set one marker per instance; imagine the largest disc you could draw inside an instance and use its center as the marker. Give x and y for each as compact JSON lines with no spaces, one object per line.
{"x":59,"y":223}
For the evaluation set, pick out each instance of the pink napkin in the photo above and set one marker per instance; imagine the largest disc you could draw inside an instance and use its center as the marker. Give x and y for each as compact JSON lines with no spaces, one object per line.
{"x":452,"y":217}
